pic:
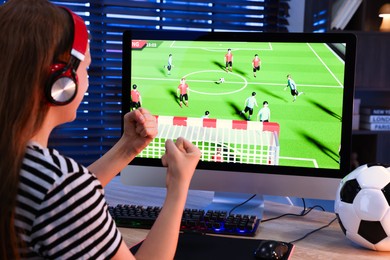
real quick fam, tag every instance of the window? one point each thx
(98, 123)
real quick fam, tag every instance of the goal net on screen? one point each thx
(232, 141)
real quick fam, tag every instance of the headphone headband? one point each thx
(80, 37)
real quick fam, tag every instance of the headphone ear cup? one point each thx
(62, 84)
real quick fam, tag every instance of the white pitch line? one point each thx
(236, 82)
(173, 43)
(323, 63)
(220, 48)
(334, 53)
(314, 161)
(245, 82)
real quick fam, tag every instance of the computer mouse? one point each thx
(271, 249)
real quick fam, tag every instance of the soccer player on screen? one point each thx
(293, 87)
(250, 103)
(264, 114)
(229, 60)
(183, 89)
(136, 99)
(169, 65)
(217, 157)
(206, 114)
(256, 63)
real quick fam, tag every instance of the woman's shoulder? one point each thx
(46, 167)
(49, 177)
(50, 160)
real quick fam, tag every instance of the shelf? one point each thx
(368, 132)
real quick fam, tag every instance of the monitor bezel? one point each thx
(348, 38)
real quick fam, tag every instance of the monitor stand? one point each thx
(226, 201)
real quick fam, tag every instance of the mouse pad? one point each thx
(197, 246)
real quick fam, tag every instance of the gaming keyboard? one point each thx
(193, 220)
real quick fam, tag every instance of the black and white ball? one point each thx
(362, 206)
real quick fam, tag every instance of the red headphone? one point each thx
(62, 85)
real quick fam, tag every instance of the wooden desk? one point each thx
(328, 243)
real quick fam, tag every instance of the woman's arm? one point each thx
(180, 159)
(139, 130)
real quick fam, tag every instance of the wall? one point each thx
(297, 15)
(373, 62)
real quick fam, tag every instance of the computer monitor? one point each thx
(304, 148)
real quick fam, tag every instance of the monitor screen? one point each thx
(257, 105)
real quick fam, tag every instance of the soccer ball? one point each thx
(362, 206)
(222, 80)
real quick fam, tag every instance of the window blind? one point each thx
(98, 123)
(318, 15)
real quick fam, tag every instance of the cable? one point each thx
(313, 231)
(303, 213)
(304, 205)
(239, 205)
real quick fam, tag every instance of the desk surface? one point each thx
(328, 243)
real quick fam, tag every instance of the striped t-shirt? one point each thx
(61, 209)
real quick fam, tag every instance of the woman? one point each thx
(52, 207)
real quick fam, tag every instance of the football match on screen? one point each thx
(243, 102)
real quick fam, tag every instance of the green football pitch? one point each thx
(309, 127)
